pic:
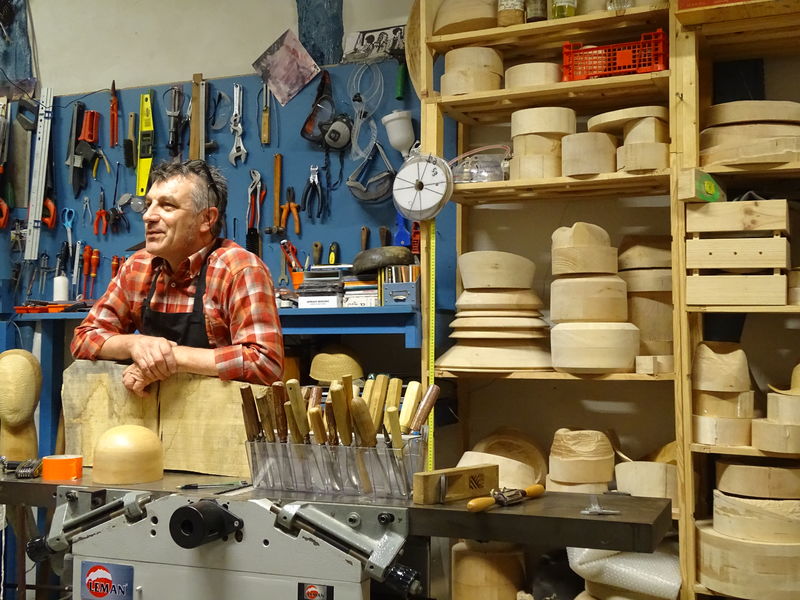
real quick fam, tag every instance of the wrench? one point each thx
(238, 150)
(284, 278)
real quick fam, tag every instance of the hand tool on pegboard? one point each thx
(277, 173)
(146, 142)
(266, 100)
(255, 196)
(113, 116)
(95, 262)
(44, 120)
(238, 151)
(77, 173)
(291, 207)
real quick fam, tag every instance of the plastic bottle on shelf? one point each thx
(564, 8)
(510, 12)
(535, 10)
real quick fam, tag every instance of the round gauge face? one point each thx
(422, 186)
(137, 204)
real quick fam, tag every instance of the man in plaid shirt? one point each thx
(201, 304)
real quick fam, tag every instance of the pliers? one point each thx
(256, 195)
(290, 206)
(312, 190)
(101, 214)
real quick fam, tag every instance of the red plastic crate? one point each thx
(645, 56)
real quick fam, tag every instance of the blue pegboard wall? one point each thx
(347, 215)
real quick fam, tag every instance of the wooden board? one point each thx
(695, 185)
(594, 298)
(747, 569)
(757, 519)
(498, 323)
(579, 260)
(783, 408)
(510, 355)
(769, 151)
(738, 253)
(753, 111)
(489, 333)
(655, 364)
(594, 347)
(761, 290)
(648, 479)
(733, 405)
(457, 483)
(642, 157)
(720, 431)
(741, 133)
(751, 215)
(777, 479)
(589, 153)
(776, 437)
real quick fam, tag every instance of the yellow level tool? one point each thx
(147, 136)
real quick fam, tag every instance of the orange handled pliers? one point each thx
(290, 206)
(101, 214)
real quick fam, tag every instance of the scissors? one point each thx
(67, 219)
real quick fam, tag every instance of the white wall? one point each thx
(84, 44)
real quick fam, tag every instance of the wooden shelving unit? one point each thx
(621, 185)
(552, 376)
(740, 30)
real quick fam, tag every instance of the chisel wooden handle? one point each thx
(486, 502)
(347, 386)
(298, 405)
(366, 392)
(363, 423)
(330, 423)
(278, 398)
(377, 400)
(276, 191)
(425, 406)
(314, 396)
(297, 437)
(364, 237)
(410, 403)
(393, 392)
(317, 424)
(252, 426)
(393, 425)
(342, 413)
(263, 403)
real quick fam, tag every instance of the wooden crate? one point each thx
(738, 253)
(752, 215)
(732, 290)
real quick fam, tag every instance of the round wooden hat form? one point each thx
(20, 385)
(493, 269)
(128, 454)
(793, 390)
(333, 362)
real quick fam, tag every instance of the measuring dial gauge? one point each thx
(422, 186)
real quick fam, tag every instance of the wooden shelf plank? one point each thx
(546, 38)
(790, 169)
(551, 375)
(563, 188)
(736, 11)
(788, 309)
(739, 451)
(590, 96)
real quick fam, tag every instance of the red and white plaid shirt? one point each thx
(241, 317)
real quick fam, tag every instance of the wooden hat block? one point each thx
(582, 248)
(594, 348)
(757, 519)
(732, 405)
(487, 571)
(513, 473)
(721, 431)
(599, 487)
(645, 252)
(600, 298)
(794, 387)
(128, 454)
(772, 436)
(758, 479)
(582, 456)
(20, 386)
(720, 367)
(498, 299)
(589, 153)
(490, 269)
(457, 16)
(497, 355)
(514, 444)
(783, 408)
(648, 479)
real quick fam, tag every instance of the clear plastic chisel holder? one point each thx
(377, 472)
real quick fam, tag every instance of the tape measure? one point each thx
(431, 225)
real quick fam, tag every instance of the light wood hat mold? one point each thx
(591, 298)
(720, 367)
(792, 390)
(128, 454)
(491, 269)
(645, 252)
(20, 386)
(583, 248)
(497, 355)
(516, 445)
(499, 299)
(334, 361)
(458, 16)
(594, 348)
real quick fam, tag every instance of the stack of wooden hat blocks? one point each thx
(645, 266)
(580, 462)
(537, 136)
(588, 301)
(498, 326)
(722, 395)
(472, 69)
(645, 134)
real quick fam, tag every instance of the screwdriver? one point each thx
(95, 263)
(87, 257)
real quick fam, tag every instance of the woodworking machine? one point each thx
(127, 544)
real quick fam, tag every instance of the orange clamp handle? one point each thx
(91, 124)
(49, 219)
(100, 215)
(4, 213)
(95, 262)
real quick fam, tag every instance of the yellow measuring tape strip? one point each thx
(429, 463)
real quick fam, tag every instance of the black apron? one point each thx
(185, 329)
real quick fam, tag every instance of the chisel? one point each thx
(393, 392)
(298, 406)
(265, 105)
(318, 427)
(377, 399)
(341, 412)
(282, 431)
(298, 439)
(396, 451)
(410, 402)
(366, 433)
(264, 406)
(425, 407)
(252, 426)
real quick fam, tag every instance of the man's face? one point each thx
(172, 229)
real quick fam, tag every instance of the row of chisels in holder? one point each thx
(355, 442)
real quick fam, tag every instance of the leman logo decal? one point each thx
(100, 583)
(312, 593)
